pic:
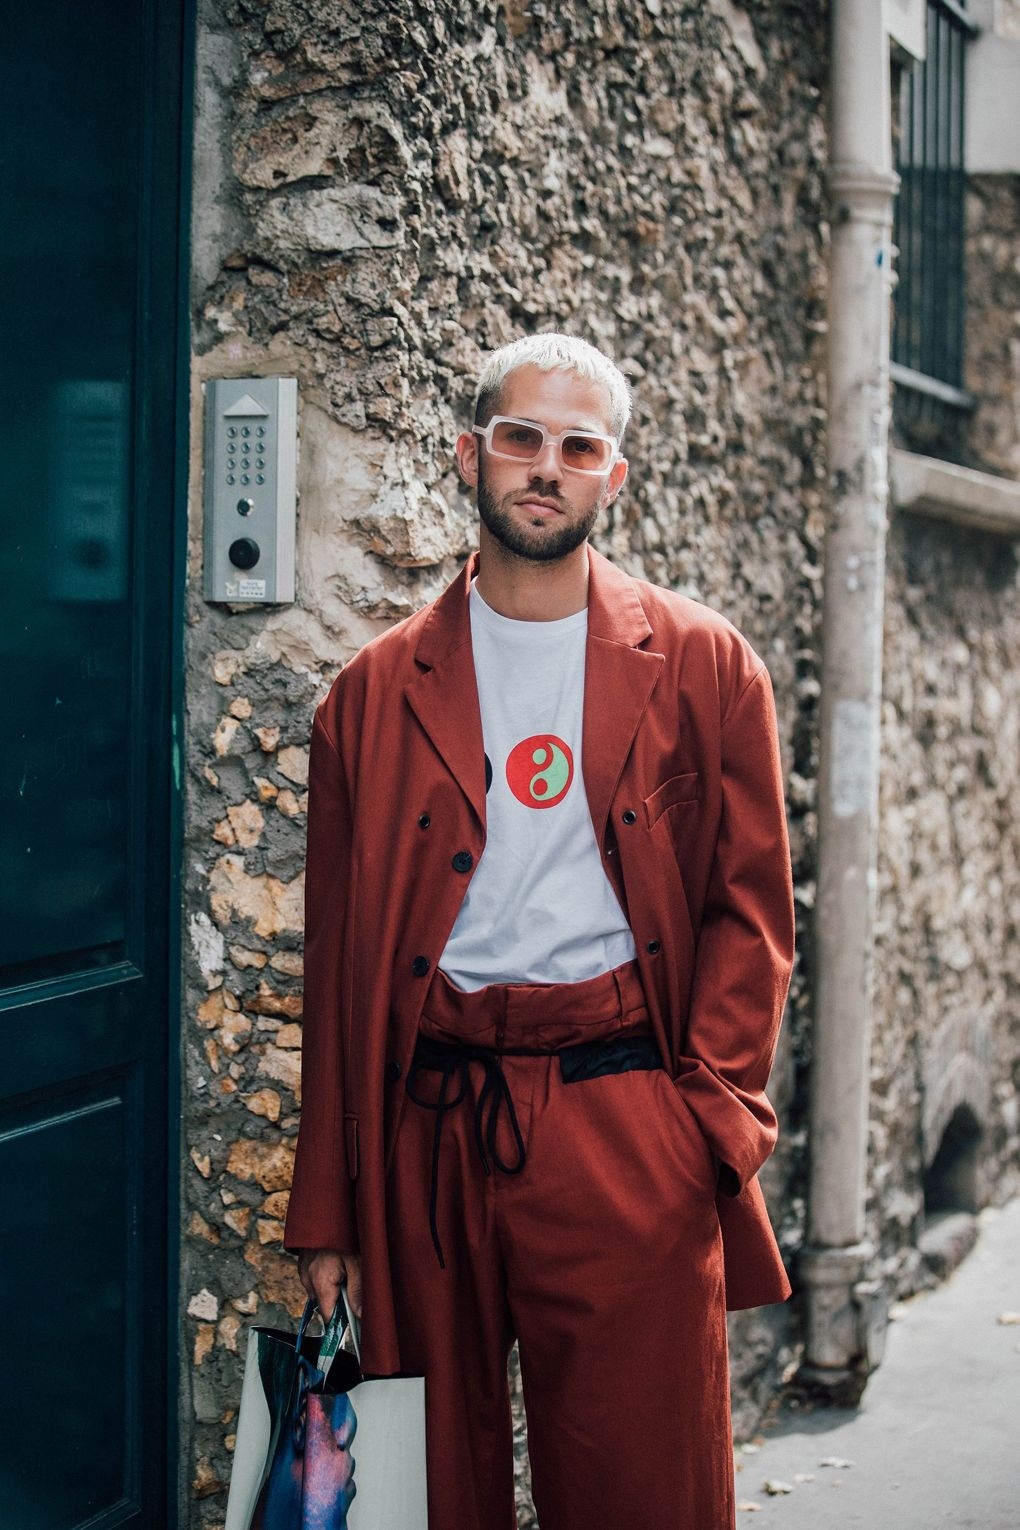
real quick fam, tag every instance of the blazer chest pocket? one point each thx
(678, 791)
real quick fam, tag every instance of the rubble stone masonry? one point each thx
(947, 961)
(383, 192)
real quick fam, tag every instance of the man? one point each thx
(549, 932)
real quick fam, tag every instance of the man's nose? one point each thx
(547, 464)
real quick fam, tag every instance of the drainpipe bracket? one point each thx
(860, 194)
(862, 181)
(846, 1317)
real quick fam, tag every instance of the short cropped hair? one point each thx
(551, 352)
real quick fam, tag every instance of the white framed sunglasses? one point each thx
(582, 451)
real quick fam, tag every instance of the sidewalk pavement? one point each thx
(936, 1439)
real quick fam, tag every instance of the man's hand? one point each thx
(323, 1270)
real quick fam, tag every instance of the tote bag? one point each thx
(325, 1453)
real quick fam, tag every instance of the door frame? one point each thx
(177, 44)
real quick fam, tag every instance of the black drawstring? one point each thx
(452, 1058)
(621, 1053)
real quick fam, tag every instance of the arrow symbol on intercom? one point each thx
(246, 406)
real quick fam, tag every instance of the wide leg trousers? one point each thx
(602, 1256)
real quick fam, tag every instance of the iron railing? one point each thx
(928, 322)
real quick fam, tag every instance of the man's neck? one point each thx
(528, 591)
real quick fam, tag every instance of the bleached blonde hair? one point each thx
(551, 352)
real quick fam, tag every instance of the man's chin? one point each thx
(541, 540)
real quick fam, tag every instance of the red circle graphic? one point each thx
(539, 770)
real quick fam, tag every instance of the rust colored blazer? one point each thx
(681, 767)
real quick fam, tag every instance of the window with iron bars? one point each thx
(931, 405)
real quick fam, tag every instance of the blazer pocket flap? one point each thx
(672, 793)
(351, 1139)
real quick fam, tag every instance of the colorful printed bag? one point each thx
(325, 1453)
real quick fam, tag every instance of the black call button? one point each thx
(244, 553)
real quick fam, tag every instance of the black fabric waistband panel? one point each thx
(613, 1054)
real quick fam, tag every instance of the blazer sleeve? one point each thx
(321, 1211)
(744, 951)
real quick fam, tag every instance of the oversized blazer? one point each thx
(681, 767)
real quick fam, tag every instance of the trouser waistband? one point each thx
(547, 1015)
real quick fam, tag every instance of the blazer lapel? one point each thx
(444, 697)
(618, 683)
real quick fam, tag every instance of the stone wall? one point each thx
(947, 1003)
(384, 191)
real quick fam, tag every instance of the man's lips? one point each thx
(541, 506)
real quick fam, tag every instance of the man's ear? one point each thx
(467, 458)
(617, 479)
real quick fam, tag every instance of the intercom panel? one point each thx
(250, 488)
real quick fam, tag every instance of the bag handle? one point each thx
(353, 1321)
(306, 1318)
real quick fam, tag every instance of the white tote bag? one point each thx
(344, 1454)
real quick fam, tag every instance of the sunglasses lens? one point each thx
(586, 453)
(512, 438)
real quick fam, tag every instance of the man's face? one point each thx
(541, 510)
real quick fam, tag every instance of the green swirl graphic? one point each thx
(552, 779)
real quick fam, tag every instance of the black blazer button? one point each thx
(393, 1070)
(463, 861)
(653, 947)
(629, 815)
(420, 966)
(424, 821)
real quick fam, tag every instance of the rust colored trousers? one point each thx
(596, 1245)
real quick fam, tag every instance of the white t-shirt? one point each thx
(540, 908)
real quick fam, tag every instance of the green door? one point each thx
(90, 191)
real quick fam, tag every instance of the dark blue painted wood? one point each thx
(90, 314)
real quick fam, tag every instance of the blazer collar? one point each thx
(447, 625)
(619, 678)
(444, 694)
(615, 612)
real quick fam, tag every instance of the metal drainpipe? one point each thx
(845, 1316)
